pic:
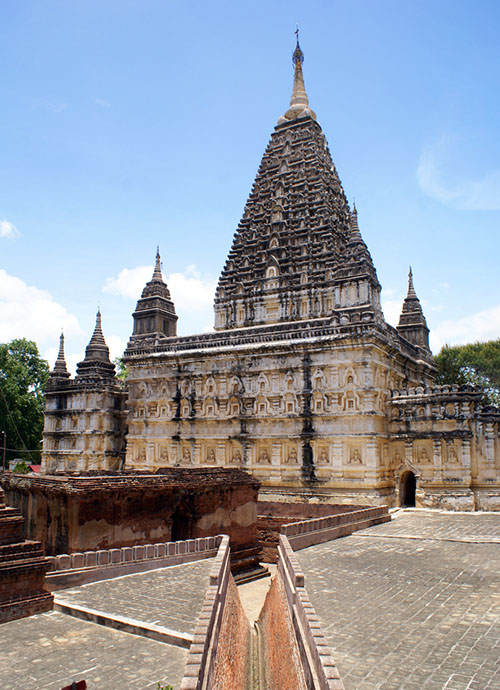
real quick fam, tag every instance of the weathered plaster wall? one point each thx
(74, 513)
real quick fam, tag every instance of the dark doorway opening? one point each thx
(407, 488)
(182, 523)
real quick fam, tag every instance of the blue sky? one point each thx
(130, 123)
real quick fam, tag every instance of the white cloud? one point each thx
(116, 346)
(103, 103)
(129, 282)
(28, 312)
(189, 290)
(8, 229)
(481, 326)
(482, 193)
(392, 310)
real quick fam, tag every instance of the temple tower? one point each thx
(295, 254)
(154, 316)
(84, 424)
(412, 324)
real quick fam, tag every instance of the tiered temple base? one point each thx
(22, 569)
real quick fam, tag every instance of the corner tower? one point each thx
(154, 315)
(294, 243)
(412, 324)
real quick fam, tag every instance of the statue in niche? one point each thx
(163, 453)
(323, 457)
(264, 458)
(292, 456)
(452, 454)
(186, 456)
(424, 456)
(142, 454)
(355, 458)
(211, 455)
(237, 457)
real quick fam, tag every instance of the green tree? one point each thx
(121, 371)
(23, 375)
(477, 364)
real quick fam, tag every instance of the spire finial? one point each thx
(299, 102)
(157, 271)
(60, 368)
(355, 233)
(411, 289)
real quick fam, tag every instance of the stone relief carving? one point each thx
(355, 457)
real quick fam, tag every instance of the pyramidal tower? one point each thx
(297, 253)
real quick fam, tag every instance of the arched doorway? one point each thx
(407, 488)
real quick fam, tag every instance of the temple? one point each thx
(302, 383)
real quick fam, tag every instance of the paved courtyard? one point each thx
(171, 597)
(51, 650)
(413, 604)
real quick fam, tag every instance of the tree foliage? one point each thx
(23, 375)
(477, 364)
(121, 371)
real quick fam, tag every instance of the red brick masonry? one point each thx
(306, 524)
(22, 570)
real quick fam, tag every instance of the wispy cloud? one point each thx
(9, 230)
(482, 193)
(57, 107)
(103, 103)
(26, 311)
(190, 291)
(481, 326)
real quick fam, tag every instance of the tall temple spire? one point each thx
(412, 324)
(60, 370)
(154, 316)
(299, 102)
(96, 362)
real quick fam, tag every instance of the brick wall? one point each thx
(230, 670)
(296, 654)
(221, 635)
(282, 662)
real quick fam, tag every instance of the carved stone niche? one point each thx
(263, 456)
(236, 456)
(452, 454)
(397, 454)
(322, 455)
(291, 455)
(210, 455)
(354, 456)
(423, 453)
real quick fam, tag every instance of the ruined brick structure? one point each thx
(22, 569)
(77, 512)
(302, 383)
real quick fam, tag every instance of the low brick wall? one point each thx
(319, 530)
(218, 656)
(300, 656)
(71, 570)
(307, 524)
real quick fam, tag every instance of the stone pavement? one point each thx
(51, 650)
(413, 604)
(171, 597)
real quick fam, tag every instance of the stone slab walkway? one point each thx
(413, 604)
(170, 597)
(51, 650)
